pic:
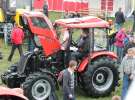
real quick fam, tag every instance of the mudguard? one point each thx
(23, 61)
(93, 56)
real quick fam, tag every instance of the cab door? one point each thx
(45, 33)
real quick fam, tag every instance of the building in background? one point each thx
(111, 6)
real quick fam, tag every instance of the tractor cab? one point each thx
(98, 32)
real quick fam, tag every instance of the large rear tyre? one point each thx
(38, 86)
(101, 77)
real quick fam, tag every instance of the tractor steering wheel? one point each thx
(73, 43)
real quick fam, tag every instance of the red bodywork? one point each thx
(17, 92)
(47, 36)
(50, 42)
(94, 55)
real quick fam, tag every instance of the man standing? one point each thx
(119, 19)
(45, 8)
(133, 29)
(68, 81)
(17, 36)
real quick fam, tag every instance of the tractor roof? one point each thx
(83, 22)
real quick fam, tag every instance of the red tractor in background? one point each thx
(37, 72)
(11, 94)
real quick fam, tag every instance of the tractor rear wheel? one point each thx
(38, 86)
(101, 77)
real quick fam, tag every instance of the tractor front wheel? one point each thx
(38, 86)
(101, 77)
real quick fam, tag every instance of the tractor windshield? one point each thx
(99, 37)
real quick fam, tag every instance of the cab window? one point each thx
(39, 22)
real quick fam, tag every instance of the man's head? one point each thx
(73, 64)
(116, 98)
(120, 9)
(131, 51)
(45, 1)
(123, 30)
(85, 31)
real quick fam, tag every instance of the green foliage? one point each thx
(54, 15)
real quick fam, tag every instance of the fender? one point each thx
(23, 61)
(95, 55)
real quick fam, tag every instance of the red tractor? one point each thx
(37, 71)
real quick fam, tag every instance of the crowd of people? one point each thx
(123, 43)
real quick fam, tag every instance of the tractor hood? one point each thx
(83, 22)
(41, 26)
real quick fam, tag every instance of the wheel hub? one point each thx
(100, 78)
(41, 89)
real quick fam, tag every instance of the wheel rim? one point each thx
(102, 78)
(41, 89)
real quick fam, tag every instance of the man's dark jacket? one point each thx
(84, 45)
(67, 83)
(45, 9)
(119, 17)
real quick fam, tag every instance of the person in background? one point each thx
(65, 40)
(83, 46)
(116, 97)
(68, 81)
(76, 14)
(17, 36)
(133, 28)
(119, 43)
(130, 44)
(45, 8)
(119, 19)
(66, 14)
(127, 70)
